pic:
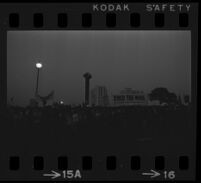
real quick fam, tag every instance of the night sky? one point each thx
(142, 60)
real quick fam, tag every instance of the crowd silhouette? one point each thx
(95, 117)
(96, 127)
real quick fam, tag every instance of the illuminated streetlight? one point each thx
(39, 65)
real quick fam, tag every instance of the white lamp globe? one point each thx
(39, 65)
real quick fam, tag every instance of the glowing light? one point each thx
(61, 102)
(39, 65)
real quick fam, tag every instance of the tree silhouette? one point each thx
(163, 96)
(172, 98)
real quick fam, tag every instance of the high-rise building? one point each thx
(99, 96)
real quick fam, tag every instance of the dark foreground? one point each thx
(144, 131)
(95, 129)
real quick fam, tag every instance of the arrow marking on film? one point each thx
(53, 175)
(153, 174)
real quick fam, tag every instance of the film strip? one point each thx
(102, 16)
(110, 126)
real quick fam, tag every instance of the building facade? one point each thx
(128, 97)
(99, 96)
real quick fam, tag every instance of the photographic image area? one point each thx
(116, 92)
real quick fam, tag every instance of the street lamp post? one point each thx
(38, 66)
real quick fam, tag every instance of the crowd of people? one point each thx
(96, 127)
(82, 115)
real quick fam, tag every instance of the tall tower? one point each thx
(87, 76)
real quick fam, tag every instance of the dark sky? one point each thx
(141, 60)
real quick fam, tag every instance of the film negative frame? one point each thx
(97, 16)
